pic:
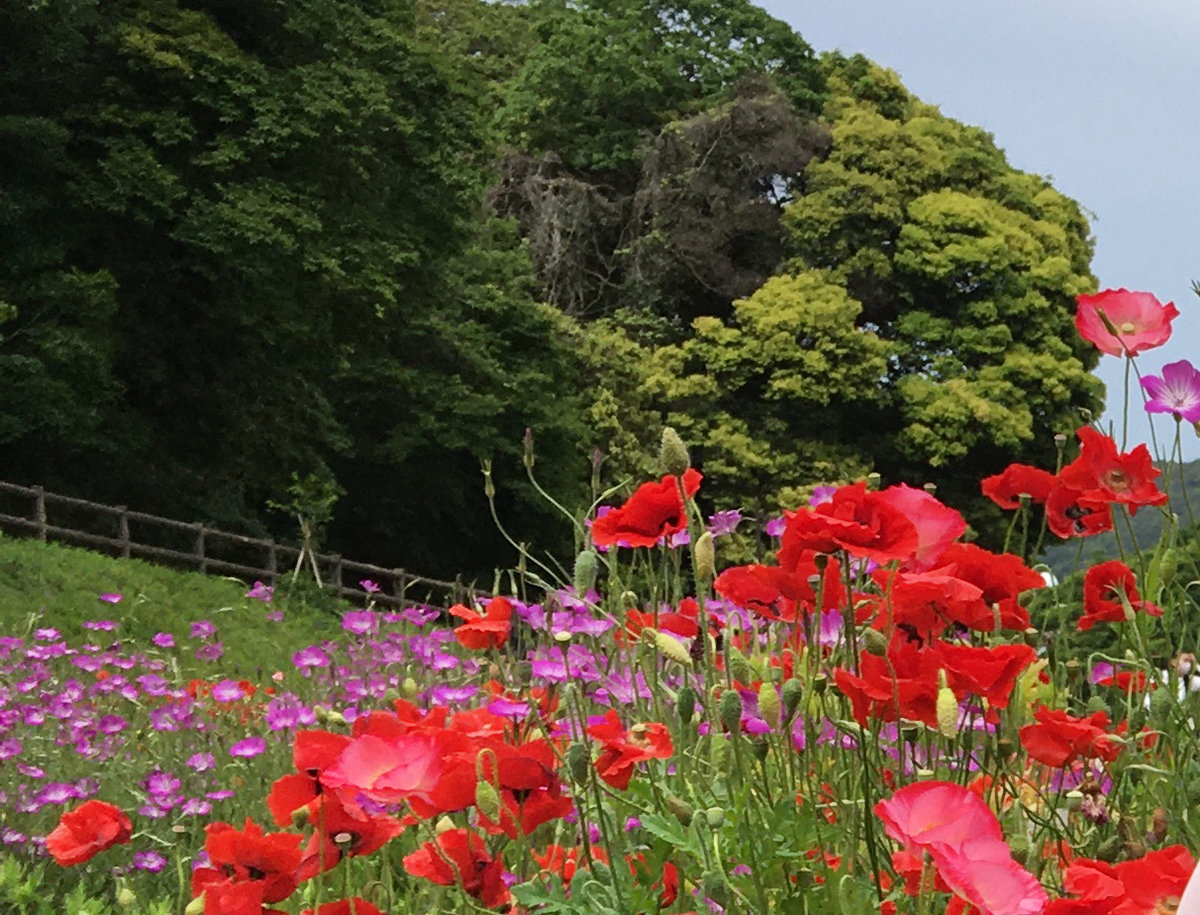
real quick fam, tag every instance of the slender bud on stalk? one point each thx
(489, 488)
(739, 664)
(686, 703)
(731, 711)
(196, 906)
(587, 565)
(672, 453)
(411, 687)
(443, 825)
(1168, 566)
(768, 704)
(126, 897)
(947, 708)
(874, 481)
(671, 647)
(487, 800)
(578, 758)
(793, 691)
(681, 809)
(705, 556)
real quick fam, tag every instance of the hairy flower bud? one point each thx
(670, 647)
(487, 800)
(195, 907)
(126, 897)
(681, 809)
(578, 758)
(731, 711)
(672, 453)
(686, 703)
(587, 566)
(768, 704)
(947, 708)
(704, 555)
(715, 817)
(874, 642)
(793, 691)
(739, 664)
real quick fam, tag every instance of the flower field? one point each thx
(875, 715)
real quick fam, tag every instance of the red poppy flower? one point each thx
(565, 862)
(1058, 738)
(1073, 513)
(529, 788)
(490, 629)
(222, 896)
(1140, 320)
(248, 855)
(859, 521)
(1104, 586)
(1002, 577)
(923, 602)
(1006, 487)
(389, 770)
(1101, 474)
(86, 831)
(990, 673)
(937, 524)
(1152, 883)
(654, 511)
(875, 693)
(785, 594)
(460, 857)
(622, 749)
(313, 752)
(343, 832)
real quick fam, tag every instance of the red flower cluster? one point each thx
(622, 749)
(1153, 883)
(1057, 738)
(460, 857)
(654, 511)
(86, 831)
(875, 693)
(1079, 498)
(490, 629)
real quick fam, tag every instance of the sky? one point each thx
(1100, 96)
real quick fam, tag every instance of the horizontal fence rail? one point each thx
(115, 529)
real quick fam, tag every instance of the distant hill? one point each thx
(1147, 526)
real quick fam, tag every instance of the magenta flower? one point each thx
(202, 762)
(228, 691)
(203, 629)
(210, 652)
(248, 748)
(100, 625)
(111, 598)
(264, 593)
(163, 640)
(1177, 391)
(150, 861)
(312, 656)
(369, 586)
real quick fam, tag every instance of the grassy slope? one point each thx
(46, 584)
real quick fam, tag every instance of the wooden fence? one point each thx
(117, 530)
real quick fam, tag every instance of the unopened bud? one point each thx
(670, 647)
(874, 642)
(947, 708)
(578, 758)
(704, 555)
(874, 480)
(443, 825)
(126, 897)
(587, 565)
(793, 691)
(715, 817)
(196, 906)
(411, 687)
(731, 711)
(672, 453)
(768, 704)
(1168, 566)
(300, 817)
(487, 800)
(739, 664)
(681, 809)
(686, 703)
(760, 748)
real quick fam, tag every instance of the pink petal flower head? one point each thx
(111, 598)
(1177, 391)
(248, 748)
(937, 524)
(984, 873)
(1140, 320)
(943, 813)
(388, 771)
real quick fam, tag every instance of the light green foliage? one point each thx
(967, 269)
(23, 892)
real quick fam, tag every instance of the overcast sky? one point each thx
(1101, 96)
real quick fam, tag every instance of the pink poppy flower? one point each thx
(928, 813)
(1140, 320)
(937, 524)
(388, 771)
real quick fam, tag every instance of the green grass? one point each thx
(47, 584)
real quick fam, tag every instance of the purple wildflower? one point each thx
(210, 652)
(111, 598)
(1177, 391)
(360, 622)
(163, 640)
(369, 586)
(228, 691)
(262, 592)
(100, 625)
(248, 748)
(203, 629)
(201, 762)
(150, 861)
(312, 656)
(726, 522)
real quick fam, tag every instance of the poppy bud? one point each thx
(768, 704)
(704, 555)
(947, 708)
(443, 825)
(587, 565)
(874, 642)
(759, 747)
(196, 906)
(672, 453)
(820, 681)
(126, 897)
(489, 488)
(411, 688)
(731, 711)
(672, 648)
(300, 817)
(793, 691)
(578, 758)
(874, 480)
(739, 665)
(1168, 566)
(715, 817)
(487, 800)
(376, 893)
(686, 703)
(716, 889)
(681, 808)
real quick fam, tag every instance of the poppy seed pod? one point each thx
(731, 711)
(739, 664)
(947, 708)
(768, 704)
(793, 691)
(672, 453)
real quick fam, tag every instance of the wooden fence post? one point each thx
(123, 530)
(335, 574)
(199, 548)
(272, 563)
(399, 586)
(39, 511)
